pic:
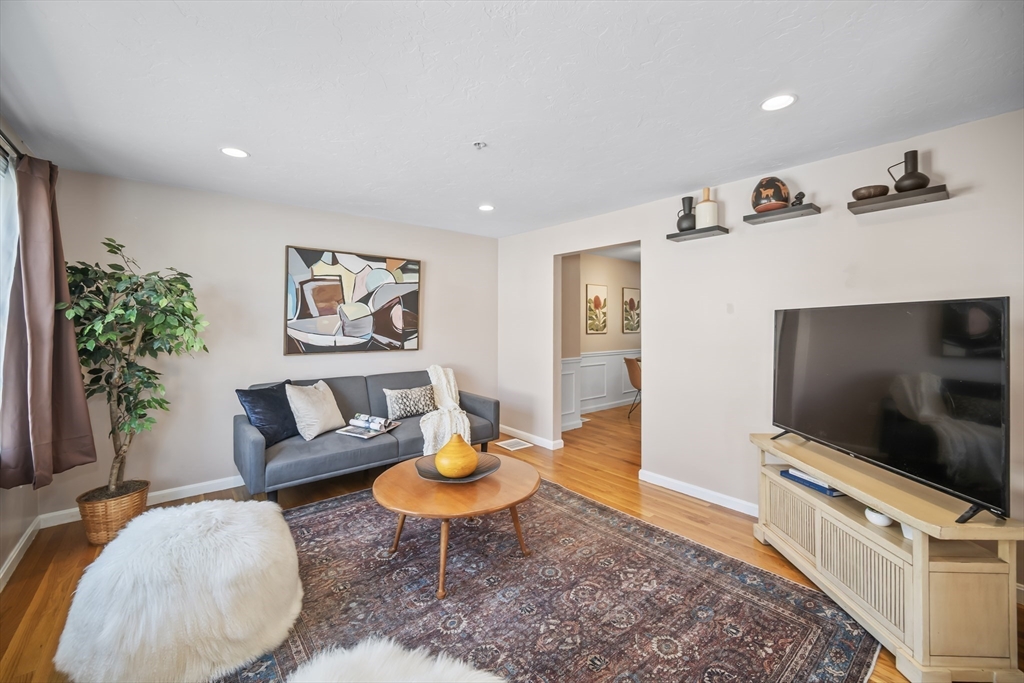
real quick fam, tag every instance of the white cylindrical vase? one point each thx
(706, 211)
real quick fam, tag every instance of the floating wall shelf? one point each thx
(688, 235)
(895, 201)
(782, 214)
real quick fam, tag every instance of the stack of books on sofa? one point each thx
(810, 482)
(365, 426)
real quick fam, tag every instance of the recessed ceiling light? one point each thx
(778, 102)
(234, 152)
(486, 207)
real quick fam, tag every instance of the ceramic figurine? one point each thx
(912, 179)
(770, 194)
(686, 220)
(798, 200)
(707, 211)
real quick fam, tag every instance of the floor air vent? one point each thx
(513, 444)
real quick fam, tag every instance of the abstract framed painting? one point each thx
(597, 309)
(630, 310)
(341, 302)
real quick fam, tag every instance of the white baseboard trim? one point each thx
(698, 492)
(154, 498)
(11, 563)
(606, 406)
(532, 438)
(567, 426)
(59, 517)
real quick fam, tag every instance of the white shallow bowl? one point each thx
(877, 518)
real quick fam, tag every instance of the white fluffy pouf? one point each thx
(185, 593)
(381, 659)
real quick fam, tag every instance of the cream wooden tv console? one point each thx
(943, 603)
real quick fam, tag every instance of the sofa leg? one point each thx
(272, 496)
(483, 447)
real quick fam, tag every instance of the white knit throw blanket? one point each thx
(448, 420)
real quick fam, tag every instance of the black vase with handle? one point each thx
(912, 179)
(686, 218)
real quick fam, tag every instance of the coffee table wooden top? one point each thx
(402, 490)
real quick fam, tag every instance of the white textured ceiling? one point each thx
(586, 107)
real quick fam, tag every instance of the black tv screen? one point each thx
(918, 388)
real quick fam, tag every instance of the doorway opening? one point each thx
(600, 325)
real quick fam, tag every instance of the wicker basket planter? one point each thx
(104, 518)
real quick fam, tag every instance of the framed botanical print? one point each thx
(630, 310)
(597, 309)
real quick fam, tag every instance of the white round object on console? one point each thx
(877, 518)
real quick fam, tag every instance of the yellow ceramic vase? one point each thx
(456, 459)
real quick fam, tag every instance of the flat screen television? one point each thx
(919, 388)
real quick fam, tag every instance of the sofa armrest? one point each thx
(250, 449)
(481, 406)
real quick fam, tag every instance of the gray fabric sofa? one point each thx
(297, 461)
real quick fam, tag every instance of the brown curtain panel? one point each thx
(44, 420)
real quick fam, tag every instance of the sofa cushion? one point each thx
(295, 460)
(403, 403)
(375, 385)
(410, 437)
(268, 411)
(349, 392)
(315, 409)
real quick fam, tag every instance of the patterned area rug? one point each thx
(604, 597)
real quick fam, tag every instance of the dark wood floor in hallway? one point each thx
(600, 460)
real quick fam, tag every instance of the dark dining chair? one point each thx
(633, 368)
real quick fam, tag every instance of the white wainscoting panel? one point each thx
(627, 388)
(595, 380)
(571, 390)
(605, 382)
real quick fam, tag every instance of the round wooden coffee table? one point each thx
(400, 489)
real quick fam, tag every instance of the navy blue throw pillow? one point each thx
(268, 411)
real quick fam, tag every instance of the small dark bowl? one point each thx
(870, 191)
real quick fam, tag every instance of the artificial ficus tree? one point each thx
(120, 317)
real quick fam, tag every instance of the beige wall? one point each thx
(708, 351)
(572, 306)
(615, 274)
(234, 248)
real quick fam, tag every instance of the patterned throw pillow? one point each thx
(406, 402)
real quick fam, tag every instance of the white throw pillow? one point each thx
(314, 408)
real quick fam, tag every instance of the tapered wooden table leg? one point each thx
(519, 530)
(444, 558)
(403, 491)
(398, 534)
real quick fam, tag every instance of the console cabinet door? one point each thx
(873, 577)
(791, 516)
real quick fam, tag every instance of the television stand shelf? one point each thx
(944, 602)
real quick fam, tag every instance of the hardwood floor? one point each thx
(600, 461)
